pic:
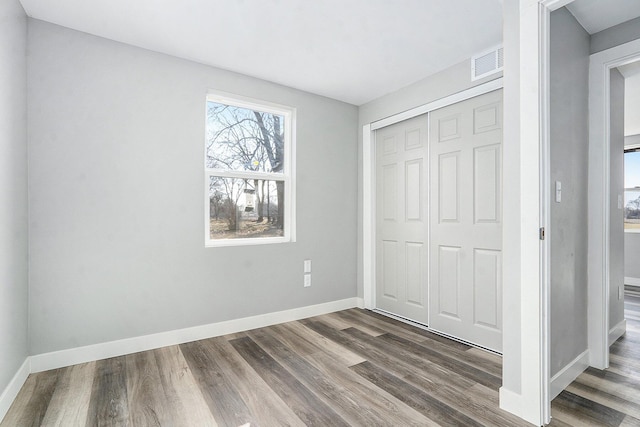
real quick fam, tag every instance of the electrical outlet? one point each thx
(307, 280)
(307, 266)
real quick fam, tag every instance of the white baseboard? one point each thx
(516, 404)
(11, 391)
(73, 356)
(568, 374)
(617, 331)
(510, 401)
(633, 281)
(360, 303)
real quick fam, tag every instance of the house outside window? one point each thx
(249, 172)
(632, 189)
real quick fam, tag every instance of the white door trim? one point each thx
(368, 177)
(600, 66)
(526, 344)
(368, 217)
(545, 207)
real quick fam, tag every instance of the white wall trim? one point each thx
(11, 391)
(555, 4)
(617, 331)
(599, 182)
(632, 281)
(59, 359)
(368, 217)
(545, 208)
(510, 401)
(568, 374)
(531, 90)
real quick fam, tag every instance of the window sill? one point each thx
(246, 242)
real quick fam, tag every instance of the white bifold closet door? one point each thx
(465, 283)
(401, 219)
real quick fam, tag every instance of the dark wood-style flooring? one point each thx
(353, 367)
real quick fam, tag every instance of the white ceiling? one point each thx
(351, 50)
(598, 15)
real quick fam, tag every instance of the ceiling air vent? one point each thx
(487, 63)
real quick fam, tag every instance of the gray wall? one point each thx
(568, 222)
(13, 190)
(447, 82)
(614, 36)
(631, 251)
(616, 217)
(116, 198)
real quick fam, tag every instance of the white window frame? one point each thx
(287, 175)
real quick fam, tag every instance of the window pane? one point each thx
(632, 192)
(632, 169)
(632, 209)
(245, 208)
(241, 139)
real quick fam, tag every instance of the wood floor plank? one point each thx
(400, 364)
(559, 423)
(284, 333)
(320, 343)
(474, 372)
(620, 390)
(306, 405)
(607, 399)
(490, 400)
(473, 405)
(39, 391)
(336, 394)
(261, 400)
(395, 411)
(69, 404)
(145, 393)
(18, 407)
(410, 351)
(416, 398)
(612, 377)
(109, 405)
(630, 421)
(334, 321)
(222, 397)
(625, 366)
(386, 324)
(414, 330)
(44, 388)
(486, 355)
(350, 318)
(587, 411)
(489, 365)
(183, 396)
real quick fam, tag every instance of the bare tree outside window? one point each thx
(245, 162)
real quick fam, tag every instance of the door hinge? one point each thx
(541, 233)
